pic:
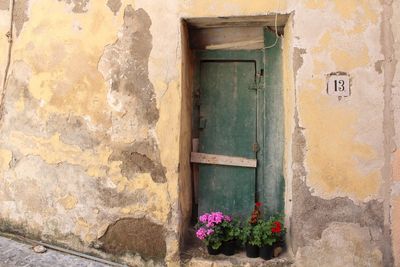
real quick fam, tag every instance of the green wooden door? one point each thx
(227, 126)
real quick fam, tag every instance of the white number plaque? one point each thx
(339, 85)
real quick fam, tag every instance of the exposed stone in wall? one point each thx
(341, 244)
(79, 6)
(114, 5)
(135, 235)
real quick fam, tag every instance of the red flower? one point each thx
(258, 204)
(277, 228)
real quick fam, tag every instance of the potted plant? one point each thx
(218, 231)
(271, 234)
(266, 238)
(231, 231)
(250, 236)
(278, 233)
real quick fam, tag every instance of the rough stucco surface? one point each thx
(350, 241)
(90, 132)
(81, 140)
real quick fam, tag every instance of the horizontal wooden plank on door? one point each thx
(222, 160)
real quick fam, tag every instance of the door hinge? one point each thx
(256, 147)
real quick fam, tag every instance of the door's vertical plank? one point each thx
(270, 178)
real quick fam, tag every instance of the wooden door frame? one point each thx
(270, 115)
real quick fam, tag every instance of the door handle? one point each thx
(202, 123)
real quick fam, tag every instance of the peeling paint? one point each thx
(114, 5)
(20, 14)
(90, 137)
(79, 6)
(141, 157)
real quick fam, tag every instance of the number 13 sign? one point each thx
(338, 84)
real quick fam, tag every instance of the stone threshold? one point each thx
(238, 259)
(195, 254)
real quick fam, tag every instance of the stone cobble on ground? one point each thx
(13, 253)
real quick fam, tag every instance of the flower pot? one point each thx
(212, 251)
(266, 252)
(228, 247)
(252, 251)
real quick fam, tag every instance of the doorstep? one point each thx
(238, 259)
(195, 255)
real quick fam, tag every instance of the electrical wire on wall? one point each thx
(276, 27)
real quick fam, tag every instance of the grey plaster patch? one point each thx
(73, 131)
(114, 5)
(297, 60)
(110, 197)
(26, 120)
(20, 14)
(124, 66)
(341, 244)
(311, 214)
(79, 6)
(140, 157)
(4, 4)
(378, 66)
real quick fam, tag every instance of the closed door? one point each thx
(228, 131)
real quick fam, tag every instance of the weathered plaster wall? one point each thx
(90, 133)
(92, 145)
(338, 145)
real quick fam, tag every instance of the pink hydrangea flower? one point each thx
(201, 233)
(210, 232)
(214, 218)
(204, 218)
(218, 217)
